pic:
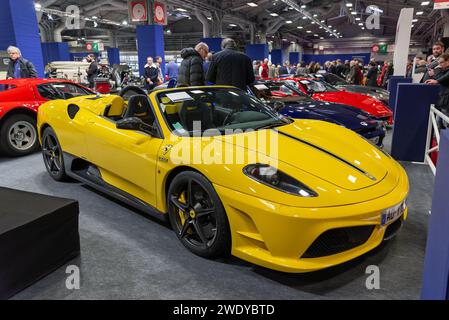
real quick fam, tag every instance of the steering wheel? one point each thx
(130, 91)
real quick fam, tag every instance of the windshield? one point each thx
(62, 90)
(334, 80)
(285, 91)
(317, 86)
(191, 111)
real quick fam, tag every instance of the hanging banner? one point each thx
(441, 4)
(160, 13)
(137, 11)
(402, 45)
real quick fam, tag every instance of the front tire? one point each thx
(52, 154)
(18, 135)
(197, 215)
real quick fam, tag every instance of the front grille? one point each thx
(393, 229)
(338, 240)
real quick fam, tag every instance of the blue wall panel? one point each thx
(322, 58)
(19, 27)
(436, 263)
(213, 43)
(277, 56)
(113, 56)
(294, 58)
(412, 121)
(55, 51)
(257, 51)
(150, 43)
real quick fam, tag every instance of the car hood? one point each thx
(340, 114)
(366, 103)
(377, 93)
(326, 151)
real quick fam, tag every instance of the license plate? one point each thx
(392, 214)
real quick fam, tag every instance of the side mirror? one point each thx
(310, 92)
(278, 106)
(136, 124)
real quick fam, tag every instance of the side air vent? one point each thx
(72, 110)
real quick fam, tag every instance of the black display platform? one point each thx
(38, 234)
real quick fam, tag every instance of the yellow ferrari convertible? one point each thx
(232, 175)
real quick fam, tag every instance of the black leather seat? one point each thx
(139, 106)
(193, 111)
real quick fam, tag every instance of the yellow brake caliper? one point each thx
(181, 214)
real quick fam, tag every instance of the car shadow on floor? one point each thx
(321, 282)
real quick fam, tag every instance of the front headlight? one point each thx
(277, 179)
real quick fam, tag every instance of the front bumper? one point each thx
(278, 237)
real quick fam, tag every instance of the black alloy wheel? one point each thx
(197, 215)
(52, 153)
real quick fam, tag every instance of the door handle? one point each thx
(91, 120)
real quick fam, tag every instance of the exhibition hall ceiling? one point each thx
(282, 19)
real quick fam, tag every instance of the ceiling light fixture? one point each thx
(308, 15)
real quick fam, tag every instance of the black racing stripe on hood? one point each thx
(368, 175)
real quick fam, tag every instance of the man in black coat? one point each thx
(191, 71)
(443, 80)
(151, 74)
(19, 67)
(92, 71)
(230, 67)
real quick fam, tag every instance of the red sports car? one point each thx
(324, 92)
(19, 101)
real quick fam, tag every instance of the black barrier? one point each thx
(412, 121)
(38, 234)
(393, 88)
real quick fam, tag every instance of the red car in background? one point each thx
(325, 92)
(19, 102)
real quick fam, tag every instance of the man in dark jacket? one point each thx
(230, 67)
(151, 74)
(372, 75)
(191, 71)
(19, 67)
(443, 80)
(92, 71)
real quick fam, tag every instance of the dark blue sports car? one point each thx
(295, 104)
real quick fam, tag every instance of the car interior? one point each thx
(212, 110)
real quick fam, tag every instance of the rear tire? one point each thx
(202, 224)
(52, 154)
(18, 135)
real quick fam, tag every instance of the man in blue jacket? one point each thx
(19, 67)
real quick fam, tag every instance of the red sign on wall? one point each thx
(441, 4)
(160, 13)
(138, 11)
(89, 46)
(375, 48)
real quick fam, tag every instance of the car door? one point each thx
(127, 159)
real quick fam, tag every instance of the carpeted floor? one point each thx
(126, 255)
